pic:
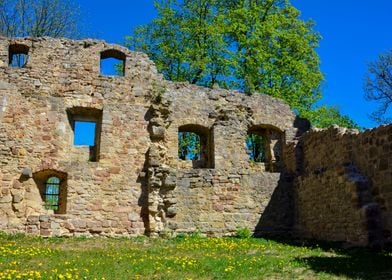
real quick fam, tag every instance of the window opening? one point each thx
(18, 55)
(112, 63)
(86, 124)
(255, 145)
(188, 146)
(52, 194)
(85, 132)
(264, 145)
(195, 143)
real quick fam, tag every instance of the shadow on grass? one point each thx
(351, 262)
(356, 266)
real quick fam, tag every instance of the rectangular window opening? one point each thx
(18, 55)
(264, 145)
(195, 144)
(112, 67)
(86, 124)
(255, 145)
(188, 146)
(52, 193)
(85, 133)
(18, 60)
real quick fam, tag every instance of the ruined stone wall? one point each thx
(343, 191)
(137, 185)
(232, 193)
(332, 184)
(104, 197)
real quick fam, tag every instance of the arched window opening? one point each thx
(52, 193)
(52, 185)
(264, 145)
(195, 143)
(255, 145)
(18, 55)
(112, 63)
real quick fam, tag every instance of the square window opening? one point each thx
(18, 55)
(264, 145)
(112, 63)
(195, 143)
(85, 133)
(112, 67)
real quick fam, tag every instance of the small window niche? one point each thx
(256, 146)
(86, 124)
(52, 193)
(18, 55)
(264, 146)
(195, 145)
(112, 63)
(52, 185)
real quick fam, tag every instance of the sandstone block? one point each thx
(43, 218)
(134, 217)
(157, 132)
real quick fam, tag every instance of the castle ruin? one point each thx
(333, 184)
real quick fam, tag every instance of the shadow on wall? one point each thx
(278, 218)
(301, 125)
(279, 215)
(143, 199)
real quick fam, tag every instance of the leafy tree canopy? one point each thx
(250, 45)
(324, 116)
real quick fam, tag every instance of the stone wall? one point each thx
(331, 184)
(36, 134)
(343, 191)
(136, 184)
(235, 192)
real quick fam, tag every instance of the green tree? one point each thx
(38, 18)
(325, 116)
(186, 41)
(188, 146)
(255, 146)
(378, 87)
(274, 51)
(251, 45)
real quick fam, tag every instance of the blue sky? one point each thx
(84, 133)
(354, 33)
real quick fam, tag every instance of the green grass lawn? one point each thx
(23, 257)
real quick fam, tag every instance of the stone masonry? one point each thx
(344, 187)
(326, 184)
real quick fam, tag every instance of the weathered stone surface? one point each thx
(343, 191)
(329, 184)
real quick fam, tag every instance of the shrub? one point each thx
(243, 233)
(196, 234)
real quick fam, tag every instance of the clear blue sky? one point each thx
(84, 133)
(354, 32)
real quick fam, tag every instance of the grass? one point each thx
(187, 257)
